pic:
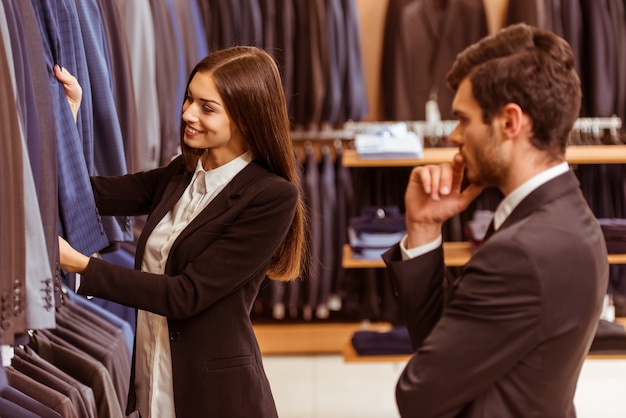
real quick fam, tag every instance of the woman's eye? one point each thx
(207, 109)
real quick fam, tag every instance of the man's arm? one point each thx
(489, 326)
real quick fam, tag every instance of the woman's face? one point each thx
(207, 123)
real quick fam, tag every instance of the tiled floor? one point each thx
(323, 386)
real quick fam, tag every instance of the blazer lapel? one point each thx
(173, 192)
(551, 190)
(226, 198)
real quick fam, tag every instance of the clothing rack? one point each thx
(442, 129)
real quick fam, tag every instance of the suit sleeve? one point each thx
(133, 194)
(490, 323)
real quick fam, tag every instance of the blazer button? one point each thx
(175, 335)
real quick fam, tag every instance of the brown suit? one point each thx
(423, 44)
(511, 337)
(211, 281)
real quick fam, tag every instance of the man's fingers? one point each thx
(458, 167)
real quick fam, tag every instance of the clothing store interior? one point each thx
(355, 72)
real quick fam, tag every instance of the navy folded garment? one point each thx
(614, 230)
(386, 219)
(375, 230)
(610, 338)
(395, 341)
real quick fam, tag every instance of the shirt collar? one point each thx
(510, 202)
(223, 174)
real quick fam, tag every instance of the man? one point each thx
(509, 336)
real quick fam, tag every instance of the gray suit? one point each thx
(509, 336)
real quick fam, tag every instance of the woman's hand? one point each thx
(70, 259)
(73, 90)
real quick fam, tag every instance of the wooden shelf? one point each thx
(455, 254)
(575, 154)
(309, 338)
(351, 356)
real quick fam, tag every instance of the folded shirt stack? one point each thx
(374, 231)
(388, 141)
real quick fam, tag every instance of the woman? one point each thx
(221, 217)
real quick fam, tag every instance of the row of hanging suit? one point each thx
(78, 369)
(422, 37)
(326, 291)
(132, 59)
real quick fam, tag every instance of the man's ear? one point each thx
(513, 120)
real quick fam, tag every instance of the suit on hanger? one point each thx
(532, 12)
(107, 355)
(86, 393)
(54, 382)
(11, 409)
(42, 393)
(139, 36)
(522, 314)
(336, 75)
(79, 219)
(355, 105)
(428, 39)
(38, 306)
(328, 221)
(11, 397)
(166, 80)
(35, 408)
(311, 191)
(108, 144)
(118, 58)
(12, 217)
(83, 368)
(45, 158)
(284, 49)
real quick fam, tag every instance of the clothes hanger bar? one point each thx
(613, 122)
(441, 128)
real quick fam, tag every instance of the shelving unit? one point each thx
(322, 338)
(458, 253)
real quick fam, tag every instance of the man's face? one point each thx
(479, 143)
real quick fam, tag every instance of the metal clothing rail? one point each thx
(440, 129)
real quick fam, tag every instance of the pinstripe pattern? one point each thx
(79, 219)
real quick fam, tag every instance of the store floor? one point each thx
(323, 386)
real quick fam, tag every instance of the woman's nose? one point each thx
(189, 114)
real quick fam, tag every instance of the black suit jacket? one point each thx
(509, 336)
(212, 277)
